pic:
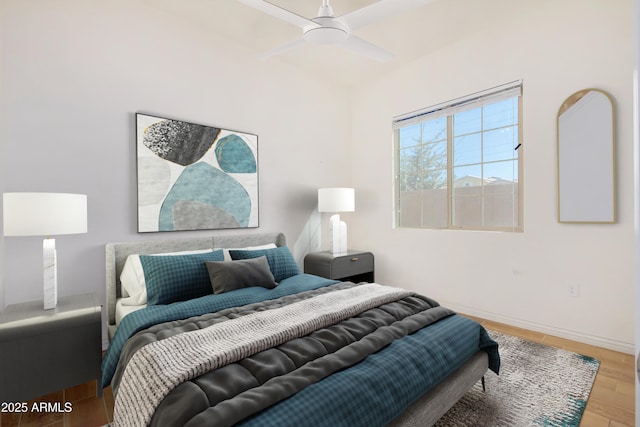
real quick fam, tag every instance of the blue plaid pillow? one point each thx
(174, 278)
(280, 260)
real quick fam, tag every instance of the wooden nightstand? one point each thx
(42, 351)
(353, 266)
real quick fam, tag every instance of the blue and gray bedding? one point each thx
(377, 356)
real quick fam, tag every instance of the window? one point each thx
(459, 164)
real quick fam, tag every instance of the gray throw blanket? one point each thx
(160, 366)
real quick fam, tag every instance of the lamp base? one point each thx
(338, 235)
(50, 273)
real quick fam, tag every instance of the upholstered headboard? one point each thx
(117, 253)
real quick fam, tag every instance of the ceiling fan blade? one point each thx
(363, 47)
(378, 11)
(278, 12)
(281, 49)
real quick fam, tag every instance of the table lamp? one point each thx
(45, 214)
(337, 200)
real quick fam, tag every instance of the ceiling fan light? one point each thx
(325, 35)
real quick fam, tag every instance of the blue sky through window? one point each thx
(484, 140)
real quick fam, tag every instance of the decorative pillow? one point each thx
(227, 276)
(280, 260)
(227, 257)
(134, 288)
(177, 277)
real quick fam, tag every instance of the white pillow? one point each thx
(133, 285)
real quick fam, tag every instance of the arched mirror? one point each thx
(586, 159)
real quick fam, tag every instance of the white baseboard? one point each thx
(611, 344)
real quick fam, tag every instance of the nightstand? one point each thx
(353, 266)
(42, 351)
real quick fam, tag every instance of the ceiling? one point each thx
(411, 35)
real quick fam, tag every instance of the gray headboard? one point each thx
(117, 253)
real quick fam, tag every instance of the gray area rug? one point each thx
(538, 385)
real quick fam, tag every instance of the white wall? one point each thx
(636, 159)
(557, 48)
(75, 72)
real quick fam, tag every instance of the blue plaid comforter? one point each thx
(409, 365)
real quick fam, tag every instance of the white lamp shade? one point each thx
(44, 214)
(336, 200)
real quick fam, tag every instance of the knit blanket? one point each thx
(162, 365)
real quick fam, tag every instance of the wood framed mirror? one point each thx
(586, 158)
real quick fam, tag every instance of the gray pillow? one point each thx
(227, 276)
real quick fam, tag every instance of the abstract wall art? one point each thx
(195, 177)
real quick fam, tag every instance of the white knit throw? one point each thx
(155, 369)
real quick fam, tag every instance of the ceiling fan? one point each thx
(326, 28)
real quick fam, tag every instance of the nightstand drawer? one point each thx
(351, 265)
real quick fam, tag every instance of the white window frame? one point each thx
(448, 109)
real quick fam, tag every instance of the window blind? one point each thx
(457, 105)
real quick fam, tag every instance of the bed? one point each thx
(295, 350)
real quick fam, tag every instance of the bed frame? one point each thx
(424, 412)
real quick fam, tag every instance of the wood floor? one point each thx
(611, 402)
(87, 410)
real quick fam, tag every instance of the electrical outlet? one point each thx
(574, 290)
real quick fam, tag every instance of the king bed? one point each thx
(226, 330)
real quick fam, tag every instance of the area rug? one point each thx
(538, 385)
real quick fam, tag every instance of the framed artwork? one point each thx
(194, 177)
